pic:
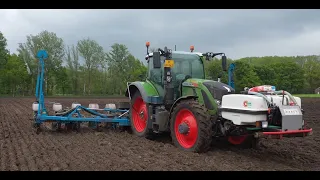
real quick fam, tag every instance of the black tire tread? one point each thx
(148, 133)
(205, 124)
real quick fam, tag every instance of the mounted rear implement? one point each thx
(72, 118)
(176, 98)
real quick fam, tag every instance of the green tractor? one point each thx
(177, 98)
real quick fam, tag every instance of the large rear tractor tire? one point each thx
(191, 126)
(139, 117)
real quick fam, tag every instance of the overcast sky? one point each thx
(238, 33)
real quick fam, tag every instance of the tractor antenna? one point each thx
(175, 47)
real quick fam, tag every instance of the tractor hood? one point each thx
(217, 89)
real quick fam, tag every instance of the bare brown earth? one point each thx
(22, 149)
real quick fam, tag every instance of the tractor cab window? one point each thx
(155, 74)
(197, 69)
(187, 65)
(184, 65)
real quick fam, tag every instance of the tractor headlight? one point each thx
(264, 124)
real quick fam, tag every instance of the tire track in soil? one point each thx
(78, 147)
(90, 150)
(18, 148)
(96, 159)
(122, 151)
(67, 156)
(121, 142)
(114, 149)
(10, 148)
(64, 157)
(50, 157)
(3, 154)
(39, 149)
(26, 140)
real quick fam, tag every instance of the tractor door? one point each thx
(179, 72)
(155, 76)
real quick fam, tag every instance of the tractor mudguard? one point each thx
(179, 99)
(146, 90)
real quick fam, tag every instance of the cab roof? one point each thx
(180, 52)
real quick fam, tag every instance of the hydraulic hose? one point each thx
(287, 93)
(260, 95)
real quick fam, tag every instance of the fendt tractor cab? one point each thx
(177, 98)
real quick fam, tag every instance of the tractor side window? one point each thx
(154, 75)
(197, 69)
(185, 67)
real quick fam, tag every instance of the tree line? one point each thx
(295, 74)
(86, 69)
(100, 72)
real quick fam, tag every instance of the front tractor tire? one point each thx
(191, 126)
(139, 117)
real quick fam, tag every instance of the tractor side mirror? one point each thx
(156, 60)
(207, 58)
(224, 63)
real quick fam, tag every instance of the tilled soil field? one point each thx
(22, 149)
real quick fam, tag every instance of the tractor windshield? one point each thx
(187, 65)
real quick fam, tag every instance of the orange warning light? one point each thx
(191, 48)
(147, 44)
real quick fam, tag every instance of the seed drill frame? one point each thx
(73, 116)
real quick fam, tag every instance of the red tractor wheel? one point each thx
(236, 140)
(139, 116)
(245, 141)
(191, 126)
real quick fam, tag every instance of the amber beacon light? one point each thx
(191, 48)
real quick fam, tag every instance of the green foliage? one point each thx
(300, 74)
(213, 69)
(3, 51)
(289, 76)
(245, 76)
(14, 76)
(86, 69)
(94, 57)
(312, 74)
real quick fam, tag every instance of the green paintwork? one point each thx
(186, 90)
(149, 88)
